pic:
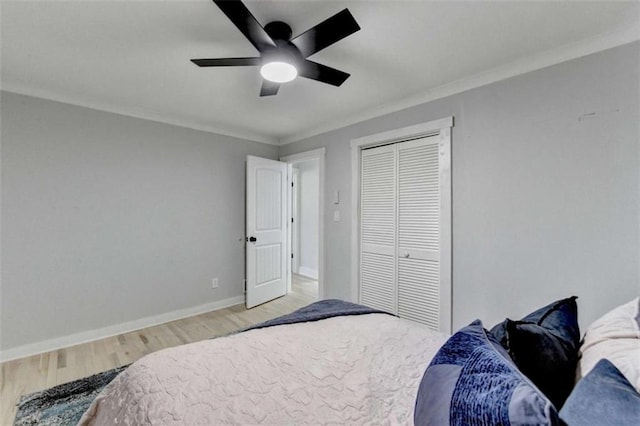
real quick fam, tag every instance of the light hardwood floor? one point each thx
(38, 372)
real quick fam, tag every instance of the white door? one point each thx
(418, 237)
(266, 218)
(378, 228)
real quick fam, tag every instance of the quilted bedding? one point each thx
(344, 370)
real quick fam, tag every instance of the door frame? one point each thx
(441, 128)
(295, 215)
(316, 154)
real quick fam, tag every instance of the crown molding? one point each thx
(624, 35)
(544, 59)
(140, 113)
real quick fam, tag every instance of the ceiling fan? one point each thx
(283, 58)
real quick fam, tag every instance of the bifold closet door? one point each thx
(400, 230)
(418, 236)
(378, 228)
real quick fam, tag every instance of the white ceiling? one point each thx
(132, 57)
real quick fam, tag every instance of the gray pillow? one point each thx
(603, 397)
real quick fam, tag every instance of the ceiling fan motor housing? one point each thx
(278, 30)
(284, 51)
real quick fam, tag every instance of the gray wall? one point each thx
(108, 219)
(545, 195)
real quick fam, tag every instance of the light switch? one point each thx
(336, 197)
(336, 215)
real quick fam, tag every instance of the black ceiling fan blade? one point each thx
(238, 13)
(322, 73)
(334, 29)
(227, 62)
(269, 88)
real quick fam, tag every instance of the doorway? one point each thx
(305, 223)
(306, 201)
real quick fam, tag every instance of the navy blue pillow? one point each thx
(472, 381)
(544, 345)
(561, 315)
(603, 397)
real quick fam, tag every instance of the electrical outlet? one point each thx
(215, 283)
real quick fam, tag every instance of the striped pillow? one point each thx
(472, 381)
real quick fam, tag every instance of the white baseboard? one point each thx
(308, 272)
(113, 330)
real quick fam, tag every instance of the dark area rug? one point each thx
(63, 404)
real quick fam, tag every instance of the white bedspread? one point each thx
(360, 369)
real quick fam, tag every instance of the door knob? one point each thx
(253, 239)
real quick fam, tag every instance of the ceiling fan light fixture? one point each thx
(278, 72)
(281, 57)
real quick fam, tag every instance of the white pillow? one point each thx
(616, 337)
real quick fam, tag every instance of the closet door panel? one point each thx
(418, 231)
(418, 291)
(377, 288)
(418, 195)
(378, 228)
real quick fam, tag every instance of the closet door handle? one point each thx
(252, 239)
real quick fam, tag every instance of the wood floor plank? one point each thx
(38, 372)
(51, 373)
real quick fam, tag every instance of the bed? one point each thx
(335, 362)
